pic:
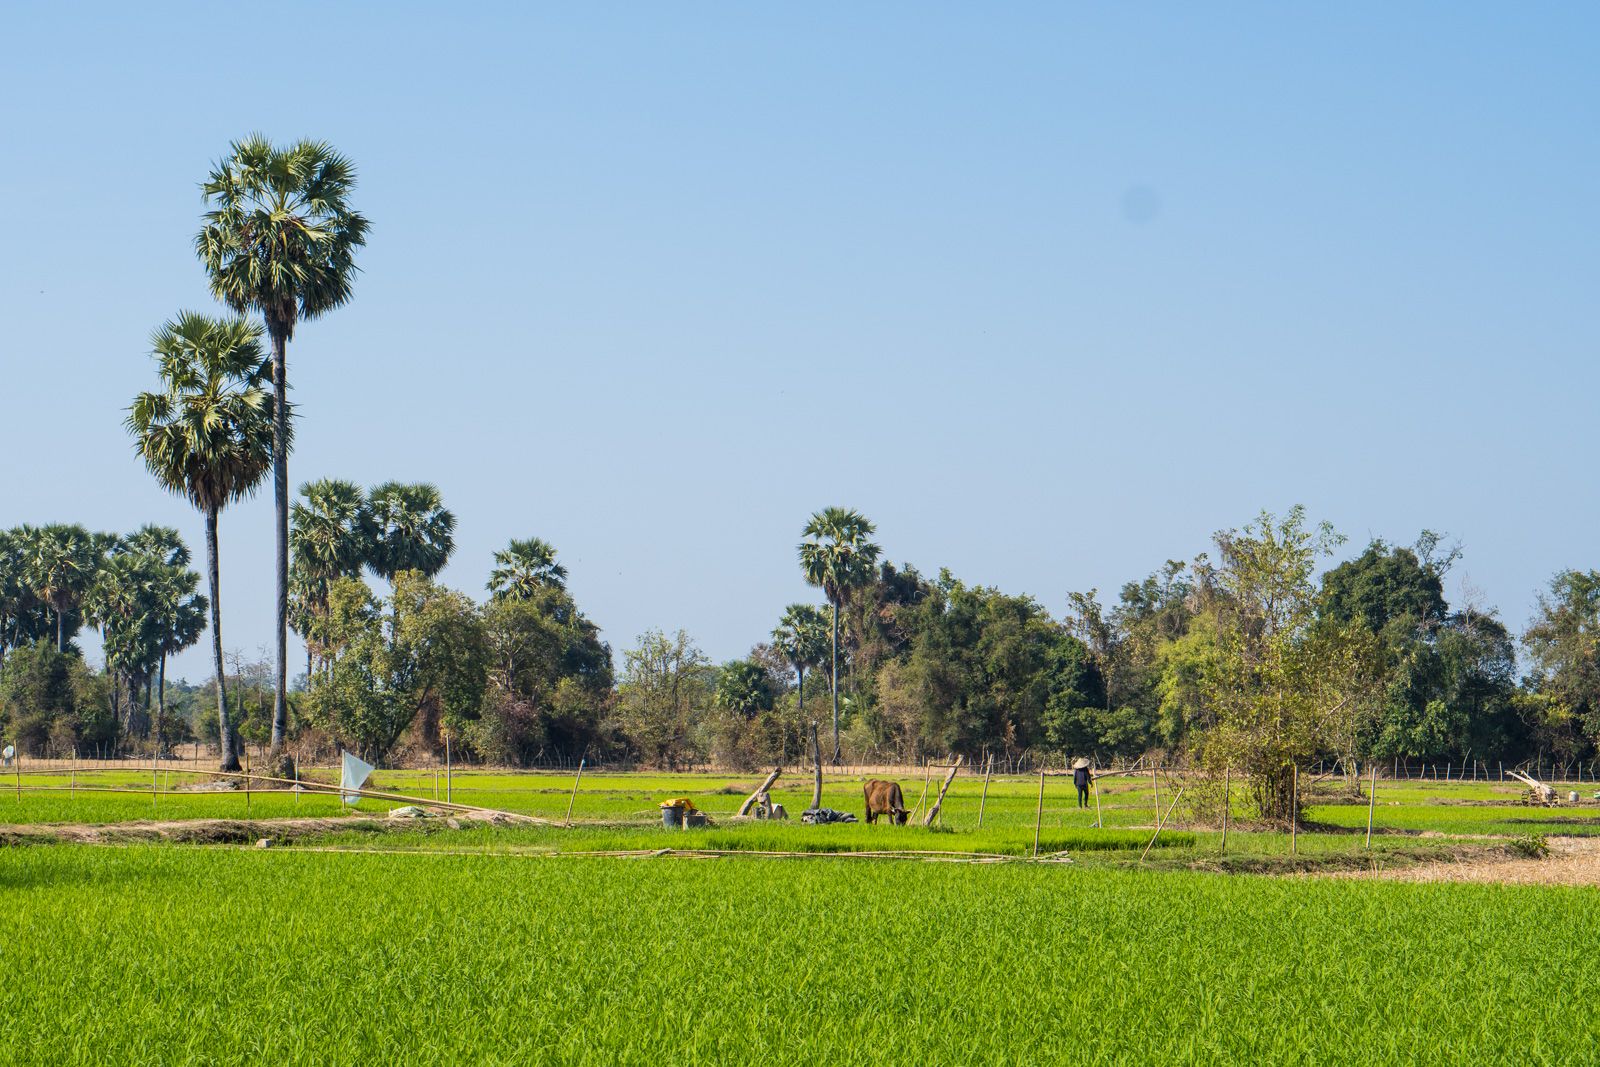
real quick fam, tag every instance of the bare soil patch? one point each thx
(1572, 861)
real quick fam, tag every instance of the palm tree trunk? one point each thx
(835, 680)
(230, 758)
(280, 499)
(161, 700)
(61, 638)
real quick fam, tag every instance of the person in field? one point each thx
(1081, 778)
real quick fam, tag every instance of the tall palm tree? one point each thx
(280, 239)
(837, 555)
(208, 435)
(523, 568)
(407, 528)
(327, 541)
(802, 637)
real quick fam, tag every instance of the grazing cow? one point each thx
(883, 798)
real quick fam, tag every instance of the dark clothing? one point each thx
(1080, 778)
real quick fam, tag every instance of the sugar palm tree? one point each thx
(280, 239)
(407, 528)
(59, 566)
(327, 541)
(208, 435)
(523, 568)
(802, 638)
(837, 555)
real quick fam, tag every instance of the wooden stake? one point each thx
(1227, 783)
(1372, 801)
(1038, 816)
(816, 768)
(448, 795)
(987, 770)
(933, 812)
(74, 776)
(927, 772)
(154, 784)
(247, 783)
(1294, 808)
(574, 798)
(1155, 793)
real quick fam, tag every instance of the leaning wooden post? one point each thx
(574, 798)
(1227, 783)
(1294, 807)
(933, 812)
(1039, 813)
(987, 770)
(749, 801)
(1099, 823)
(1372, 801)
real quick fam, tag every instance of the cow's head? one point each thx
(899, 815)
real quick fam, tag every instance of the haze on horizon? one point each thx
(1049, 295)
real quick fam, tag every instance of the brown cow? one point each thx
(884, 798)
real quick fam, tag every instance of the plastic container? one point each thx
(671, 816)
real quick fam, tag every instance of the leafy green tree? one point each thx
(525, 567)
(666, 688)
(550, 679)
(407, 528)
(430, 670)
(280, 238)
(837, 556)
(1563, 646)
(207, 435)
(51, 702)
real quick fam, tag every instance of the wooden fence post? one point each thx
(1038, 816)
(1372, 802)
(816, 768)
(447, 782)
(1227, 782)
(1294, 808)
(987, 770)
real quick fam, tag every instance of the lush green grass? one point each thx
(172, 955)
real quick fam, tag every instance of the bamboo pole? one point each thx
(1038, 816)
(1227, 784)
(1160, 822)
(927, 774)
(574, 798)
(1372, 802)
(987, 770)
(448, 795)
(1155, 792)
(16, 764)
(73, 776)
(154, 783)
(247, 777)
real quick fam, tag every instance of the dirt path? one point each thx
(1572, 861)
(220, 831)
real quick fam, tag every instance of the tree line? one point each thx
(1246, 655)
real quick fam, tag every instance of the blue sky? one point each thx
(1051, 292)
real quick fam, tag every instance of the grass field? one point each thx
(167, 954)
(364, 939)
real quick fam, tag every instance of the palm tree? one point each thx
(802, 638)
(407, 528)
(327, 541)
(59, 566)
(208, 435)
(280, 239)
(525, 567)
(837, 556)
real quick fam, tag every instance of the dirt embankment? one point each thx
(222, 831)
(1572, 861)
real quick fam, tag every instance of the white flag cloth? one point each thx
(353, 775)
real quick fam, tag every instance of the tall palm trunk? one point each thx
(280, 499)
(834, 673)
(61, 633)
(230, 758)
